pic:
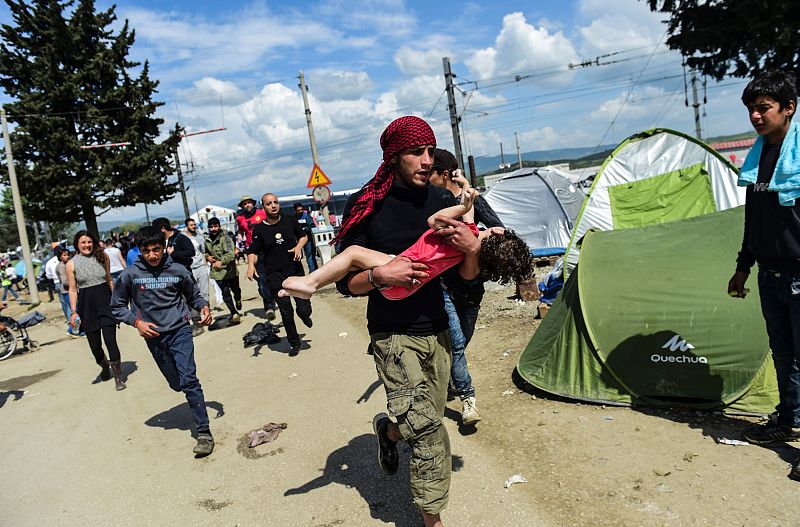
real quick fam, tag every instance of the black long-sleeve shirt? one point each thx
(485, 214)
(396, 224)
(771, 230)
(183, 251)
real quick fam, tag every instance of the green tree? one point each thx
(734, 37)
(9, 235)
(72, 84)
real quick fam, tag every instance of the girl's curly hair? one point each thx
(97, 251)
(505, 257)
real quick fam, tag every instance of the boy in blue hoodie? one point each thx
(155, 287)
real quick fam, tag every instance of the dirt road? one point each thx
(78, 453)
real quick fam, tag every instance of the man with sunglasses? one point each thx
(278, 244)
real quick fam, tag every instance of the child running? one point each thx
(503, 257)
(155, 286)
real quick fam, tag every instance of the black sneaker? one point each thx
(306, 320)
(795, 472)
(271, 314)
(770, 433)
(197, 330)
(294, 350)
(205, 444)
(388, 457)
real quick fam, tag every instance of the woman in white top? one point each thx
(115, 259)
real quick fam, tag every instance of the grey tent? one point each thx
(539, 204)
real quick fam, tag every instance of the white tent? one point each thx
(539, 204)
(227, 217)
(655, 176)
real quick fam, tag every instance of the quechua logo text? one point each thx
(677, 344)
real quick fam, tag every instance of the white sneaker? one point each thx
(470, 415)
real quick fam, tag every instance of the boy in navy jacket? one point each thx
(149, 295)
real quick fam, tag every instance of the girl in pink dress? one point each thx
(503, 255)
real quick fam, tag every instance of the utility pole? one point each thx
(502, 157)
(178, 166)
(181, 185)
(311, 138)
(192, 170)
(698, 132)
(147, 213)
(519, 155)
(451, 105)
(473, 176)
(23, 234)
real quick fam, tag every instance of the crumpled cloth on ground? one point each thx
(262, 333)
(267, 433)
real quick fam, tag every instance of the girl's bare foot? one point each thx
(297, 287)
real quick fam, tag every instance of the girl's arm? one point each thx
(108, 272)
(464, 209)
(73, 291)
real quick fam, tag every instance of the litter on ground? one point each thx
(267, 433)
(516, 478)
(734, 442)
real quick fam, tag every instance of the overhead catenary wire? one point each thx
(630, 91)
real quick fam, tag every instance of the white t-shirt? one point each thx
(115, 259)
(50, 269)
(11, 273)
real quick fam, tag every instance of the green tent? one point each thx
(644, 319)
(655, 176)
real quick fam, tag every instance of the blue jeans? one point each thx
(263, 288)
(780, 305)
(311, 256)
(6, 289)
(461, 317)
(173, 352)
(64, 299)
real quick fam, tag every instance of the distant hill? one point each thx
(488, 165)
(579, 157)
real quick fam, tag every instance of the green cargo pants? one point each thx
(415, 372)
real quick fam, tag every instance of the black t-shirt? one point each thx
(772, 231)
(272, 243)
(396, 224)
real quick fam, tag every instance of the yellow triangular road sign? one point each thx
(317, 178)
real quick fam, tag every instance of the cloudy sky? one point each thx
(235, 65)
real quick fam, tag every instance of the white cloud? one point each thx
(190, 45)
(208, 90)
(644, 101)
(387, 17)
(543, 138)
(330, 85)
(411, 61)
(519, 47)
(617, 26)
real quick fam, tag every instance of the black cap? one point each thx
(444, 160)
